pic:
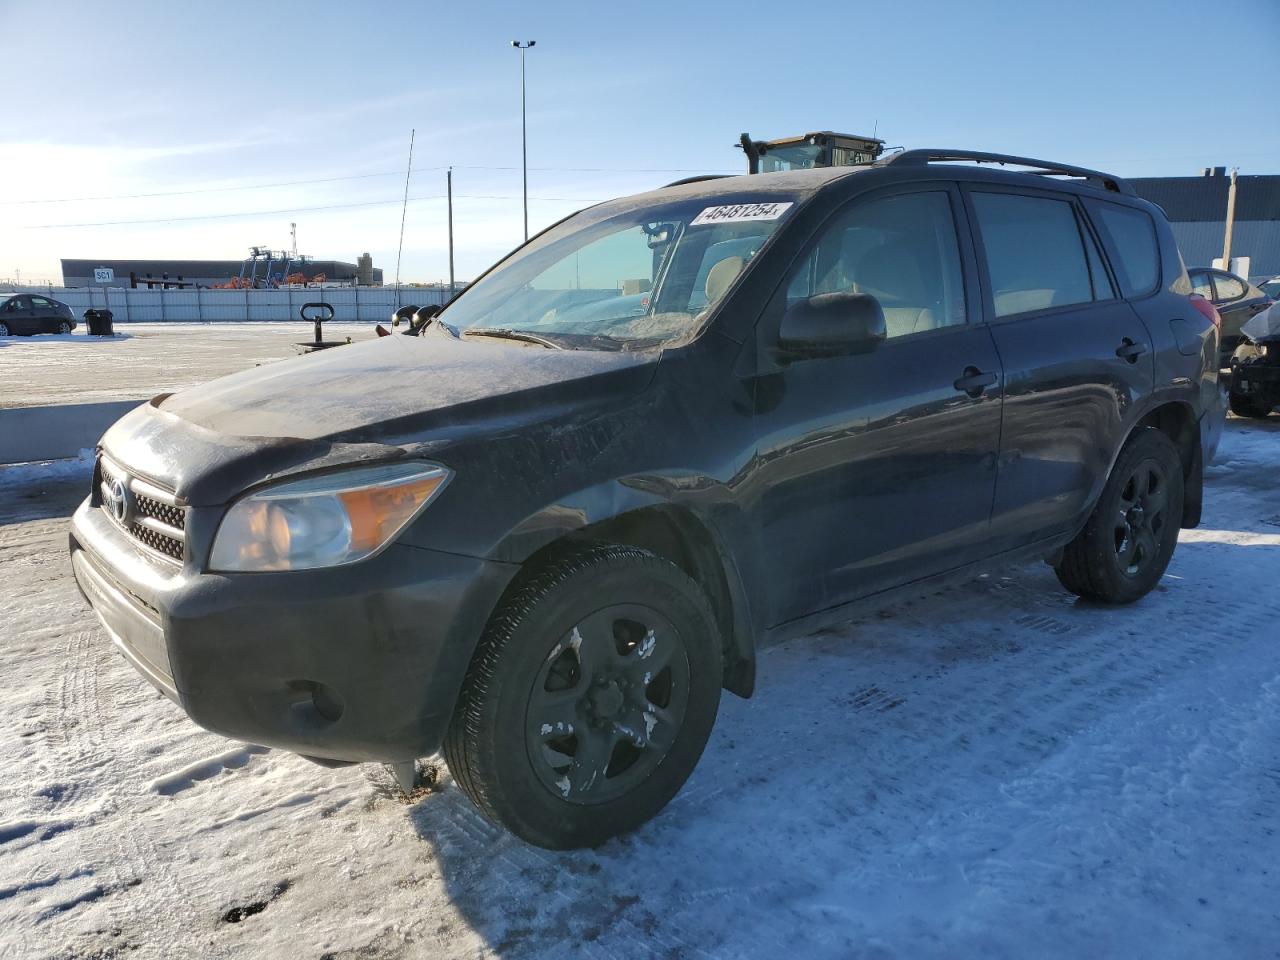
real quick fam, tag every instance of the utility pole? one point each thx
(1231, 221)
(524, 140)
(449, 182)
(293, 235)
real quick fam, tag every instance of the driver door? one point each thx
(18, 316)
(878, 467)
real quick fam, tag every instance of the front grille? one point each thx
(151, 515)
(166, 513)
(161, 543)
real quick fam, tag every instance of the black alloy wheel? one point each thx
(1143, 512)
(589, 698)
(1129, 538)
(608, 703)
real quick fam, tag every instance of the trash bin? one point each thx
(99, 322)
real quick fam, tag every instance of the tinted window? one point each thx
(40, 302)
(1133, 236)
(902, 250)
(1201, 284)
(1229, 287)
(1035, 253)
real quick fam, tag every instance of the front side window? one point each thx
(1035, 250)
(1229, 287)
(1133, 235)
(902, 250)
(638, 277)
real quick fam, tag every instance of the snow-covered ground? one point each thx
(998, 770)
(144, 359)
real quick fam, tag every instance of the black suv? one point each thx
(547, 531)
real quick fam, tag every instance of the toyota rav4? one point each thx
(545, 533)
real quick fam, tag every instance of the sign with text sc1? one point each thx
(103, 274)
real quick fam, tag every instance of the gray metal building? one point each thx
(1197, 209)
(203, 273)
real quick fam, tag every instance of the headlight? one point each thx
(326, 520)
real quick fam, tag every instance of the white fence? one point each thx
(201, 305)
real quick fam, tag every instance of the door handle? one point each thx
(1128, 350)
(974, 381)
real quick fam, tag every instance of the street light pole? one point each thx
(522, 46)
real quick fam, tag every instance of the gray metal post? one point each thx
(524, 139)
(449, 182)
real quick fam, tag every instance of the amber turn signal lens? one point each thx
(378, 512)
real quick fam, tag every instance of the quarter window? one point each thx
(1133, 236)
(1229, 288)
(1201, 284)
(1035, 252)
(902, 250)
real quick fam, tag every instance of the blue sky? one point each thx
(208, 103)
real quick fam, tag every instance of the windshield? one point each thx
(642, 277)
(802, 156)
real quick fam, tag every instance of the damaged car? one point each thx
(1255, 367)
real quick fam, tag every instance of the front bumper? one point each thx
(354, 663)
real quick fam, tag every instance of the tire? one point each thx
(4, 329)
(1248, 405)
(64, 327)
(563, 733)
(1128, 540)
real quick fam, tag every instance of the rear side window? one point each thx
(1133, 236)
(1201, 284)
(1036, 255)
(1229, 288)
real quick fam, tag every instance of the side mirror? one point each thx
(830, 324)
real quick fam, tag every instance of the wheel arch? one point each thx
(1177, 420)
(678, 534)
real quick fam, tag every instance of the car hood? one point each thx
(374, 400)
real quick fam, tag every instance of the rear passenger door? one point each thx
(1076, 356)
(43, 315)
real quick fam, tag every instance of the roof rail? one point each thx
(921, 157)
(697, 179)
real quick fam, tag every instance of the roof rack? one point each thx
(921, 157)
(697, 179)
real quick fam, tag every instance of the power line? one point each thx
(329, 206)
(354, 176)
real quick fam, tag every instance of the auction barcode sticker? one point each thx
(739, 212)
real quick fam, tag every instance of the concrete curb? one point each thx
(56, 432)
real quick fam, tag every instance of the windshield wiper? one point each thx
(503, 333)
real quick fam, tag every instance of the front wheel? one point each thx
(64, 328)
(4, 329)
(590, 698)
(1127, 543)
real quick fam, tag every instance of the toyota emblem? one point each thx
(117, 500)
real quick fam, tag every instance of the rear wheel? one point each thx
(1249, 405)
(590, 699)
(1127, 543)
